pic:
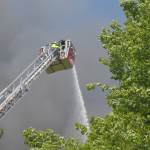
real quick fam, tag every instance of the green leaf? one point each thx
(100, 59)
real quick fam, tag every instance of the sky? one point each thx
(25, 26)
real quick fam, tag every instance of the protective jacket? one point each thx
(56, 45)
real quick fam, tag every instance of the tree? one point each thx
(128, 125)
(40, 140)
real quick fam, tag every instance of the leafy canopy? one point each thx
(48, 140)
(128, 125)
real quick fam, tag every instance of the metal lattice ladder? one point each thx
(19, 87)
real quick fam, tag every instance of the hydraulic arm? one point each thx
(48, 61)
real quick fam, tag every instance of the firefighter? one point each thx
(57, 48)
(62, 44)
(62, 48)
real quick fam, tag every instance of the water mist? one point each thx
(80, 110)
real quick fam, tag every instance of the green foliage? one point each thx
(1, 132)
(127, 127)
(40, 140)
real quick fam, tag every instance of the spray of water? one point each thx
(80, 111)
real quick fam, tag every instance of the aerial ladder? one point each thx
(46, 61)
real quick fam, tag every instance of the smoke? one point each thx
(26, 26)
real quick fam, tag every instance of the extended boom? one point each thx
(48, 61)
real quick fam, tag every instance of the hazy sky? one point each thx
(25, 26)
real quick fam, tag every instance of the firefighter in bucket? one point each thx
(59, 48)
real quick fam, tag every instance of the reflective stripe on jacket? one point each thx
(56, 45)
